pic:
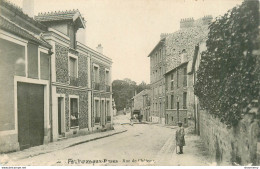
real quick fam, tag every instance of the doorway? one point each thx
(61, 116)
(30, 106)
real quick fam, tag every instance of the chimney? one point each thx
(164, 35)
(100, 48)
(28, 7)
(186, 23)
(207, 19)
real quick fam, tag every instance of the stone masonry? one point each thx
(230, 145)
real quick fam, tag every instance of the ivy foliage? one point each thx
(228, 76)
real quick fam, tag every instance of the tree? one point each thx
(124, 90)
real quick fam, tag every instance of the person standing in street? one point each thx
(180, 141)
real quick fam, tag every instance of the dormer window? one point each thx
(66, 22)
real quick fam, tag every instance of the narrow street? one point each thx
(142, 144)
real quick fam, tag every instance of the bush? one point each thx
(228, 76)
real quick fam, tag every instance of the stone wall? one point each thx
(172, 117)
(102, 71)
(83, 106)
(184, 39)
(62, 63)
(228, 145)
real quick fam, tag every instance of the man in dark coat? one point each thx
(180, 141)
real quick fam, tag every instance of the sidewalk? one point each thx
(58, 145)
(195, 153)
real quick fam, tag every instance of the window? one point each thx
(96, 72)
(107, 81)
(160, 54)
(172, 101)
(184, 100)
(166, 102)
(73, 67)
(73, 70)
(172, 118)
(74, 114)
(177, 78)
(108, 111)
(172, 81)
(107, 77)
(72, 36)
(185, 77)
(96, 78)
(97, 111)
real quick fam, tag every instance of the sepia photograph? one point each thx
(129, 83)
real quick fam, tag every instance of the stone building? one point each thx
(67, 83)
(170, 62)
(141, 102)
(81, 85)
(157, 70)
(176, 95)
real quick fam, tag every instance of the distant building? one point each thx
(157, 70)
(170, 62)
(141, 102)
(180, 51)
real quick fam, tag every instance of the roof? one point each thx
(182, 64)
(18, 11)
(194, 58)
(160, 42)
(15, 29)
(61, 16)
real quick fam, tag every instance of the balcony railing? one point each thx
(108, 88)
(97, 119)
(96, 86)
(109, 118)
(74, 81)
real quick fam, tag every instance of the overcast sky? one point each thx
(129, 29)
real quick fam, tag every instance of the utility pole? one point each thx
(178, 108)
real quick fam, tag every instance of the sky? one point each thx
(129, 29)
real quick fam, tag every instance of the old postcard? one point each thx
(129, 83)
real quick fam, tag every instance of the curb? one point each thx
(81, 142)
(71, 145)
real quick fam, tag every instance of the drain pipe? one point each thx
(50, 96)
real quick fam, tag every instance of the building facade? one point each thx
(157, 69)
(170, 62)
(176, 95)
(25, 80)
(195, 116)
(56, 81)
(181, 48)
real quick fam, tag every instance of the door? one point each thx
(102, 112)
(60, 111)
(30, 106)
